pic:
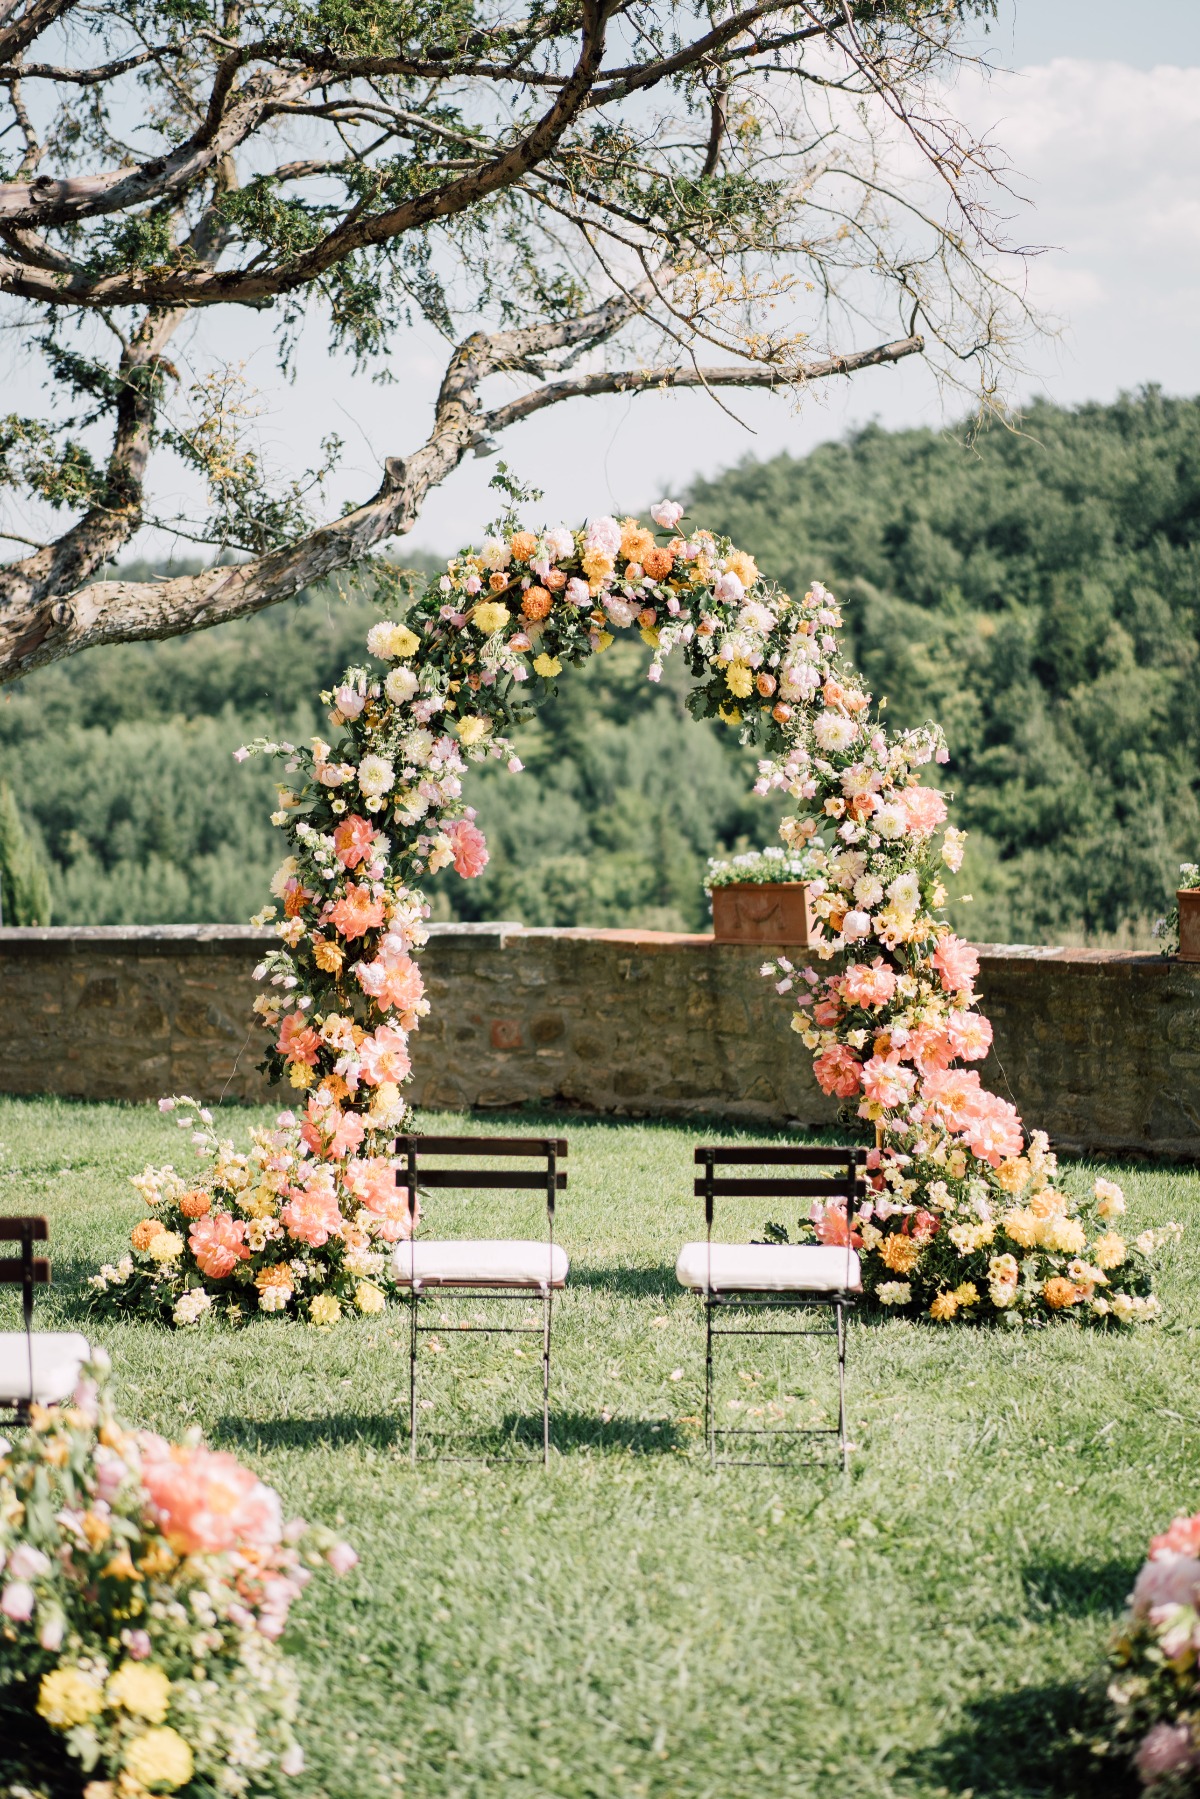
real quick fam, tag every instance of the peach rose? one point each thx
(352, 840)
(218, 1244)
(357, 913)
(205, 1502)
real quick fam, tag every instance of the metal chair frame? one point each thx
(844, 1182)
(414, 1178)
(26, 1271)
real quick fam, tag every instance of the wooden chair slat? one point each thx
(14, 1230)
(770, 1155)
(12, 1271)
(514, 1180)
(779, 1189)
(483, 1146)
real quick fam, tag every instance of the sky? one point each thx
(1097, 106)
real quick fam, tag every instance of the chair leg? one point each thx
(413, 1302)
(546, 1302)
(708, 1381)
(840, 1312)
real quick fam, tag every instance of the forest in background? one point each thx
(1036, 590)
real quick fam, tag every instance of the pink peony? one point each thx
(603, 535)
(929, 1049)
(218, 1243)
(957, 964)
(373, 1184)
(953, 1093)
(311, 1215)
(394, 983)
(1175, 1580)
(1183, 1538)
(1165, 1748)
(970, 1035)
(384, 1056)
(349, 701)
(470, 848)
(863, 986)
(667, 513)
(887, 1082)
(838, 1071)
(205, 1502)
(356, 913)
(341, 1558)
(993, 1130)
(17, 1601)
(297, 1039)
(829, 1221)
(924, 809)
(352, 840)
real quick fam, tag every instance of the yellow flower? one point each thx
(1109, 1251)
(160, 1758)
(603, 639)
(142, 1689)
(739, 680)
(547, 666)
(262, 1203)
(1014, 1174)
(597, 567)
(328, 956)
(1112, 1200)
(1021, 1226)
(943, 1308)
(325, 1309)
(649, 636)
(166, 1246)
(1066, 1235)
(743, 566)
(402, 643)
(67, 1697)
(473, 729)
(301, 1075)
(900, 1253)
(729, 715)
(369, 1298)
(490, 615)
(967, 1294)
(1048, 1203)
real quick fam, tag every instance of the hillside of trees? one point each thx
(1037, 590)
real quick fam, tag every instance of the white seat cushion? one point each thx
(480, 1263)
(57, 1358)
(768, 1268)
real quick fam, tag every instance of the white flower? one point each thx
(400, 685)
(375, 775)
(1112, 1200)
(893, 1293)
(905, 890)
(868, 892)
(754, 616)
(560, 542)
(495, 553)
(191, 1306)
(667, 514)
(856, 926)
(729, 588)
(889, 821)
(834, 732)
(619, 611)
(797, 680)
(604, 535)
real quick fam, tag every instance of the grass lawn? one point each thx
(633, 1622)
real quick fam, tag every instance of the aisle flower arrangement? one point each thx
(964, 1220)
(1154, 1689)
(143, 1588)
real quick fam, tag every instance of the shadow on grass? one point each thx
(1031, 1744)
(519, 1432)
(587, 1430)
(337, 1430)
(654, 1281)
(1080, 1590)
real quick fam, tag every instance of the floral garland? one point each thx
(964, 1221)
(1154, 1690)
(143, 1589)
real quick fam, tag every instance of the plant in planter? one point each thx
(764, 896)
(1180, 929)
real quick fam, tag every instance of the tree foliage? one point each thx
(24, 877)
(597, 196)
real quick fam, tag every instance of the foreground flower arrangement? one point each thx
(965, 1221)
(143, 1587)
(1154, 1691)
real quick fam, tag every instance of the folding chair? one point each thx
(34, 1369)
(491, 1269)
(771, 1277)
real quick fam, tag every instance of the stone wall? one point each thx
(1100, 1049)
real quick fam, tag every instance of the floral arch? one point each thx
(966, 1219)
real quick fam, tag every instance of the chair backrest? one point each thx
(25, 1269)
(840, 1177)
(414, 1172)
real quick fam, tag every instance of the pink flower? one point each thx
(28, 1563)
(341, 1558)
(829, 1221)
(1183, 1538)
(838, 1071)
(604, 535)
(139, 1645)
(929, 1048)
(349, 701)
(17, 1601)
(384, 1056)
(1165, 1747)
(470, 848)
(311, 1215)
(218, 1243)
(577, 592)
(887, 1082)
(863, 986)
(924, 808)
(993, 1130)
(970, 1035)
(1175, 1580)
(953, 1093)
(856, 925)
(667, 514)
(356, 913)
(957, 964)
(205, 1502)
(297, 1039)
(352, 840)
(373, 1184)
(51, 1635)
(394, 983)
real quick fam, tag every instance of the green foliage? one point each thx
(24, 877)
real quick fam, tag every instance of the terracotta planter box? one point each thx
(1189, 924)
(777, 912)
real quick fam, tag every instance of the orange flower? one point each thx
(522, 544)
(143, 1234)
(647, 617)
(1059, 1293)
(636, 542)
(555, 580)
(195, 1204)
(497, 582)
(297, 1040)
(765, 684)
(295, 899)
(278, 1275)
(328, 956)
(658, 563)
(537, 603)
(357, 913)
(899, 1253)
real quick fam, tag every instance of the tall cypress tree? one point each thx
(24, 878)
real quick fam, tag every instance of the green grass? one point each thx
(632, 1622)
